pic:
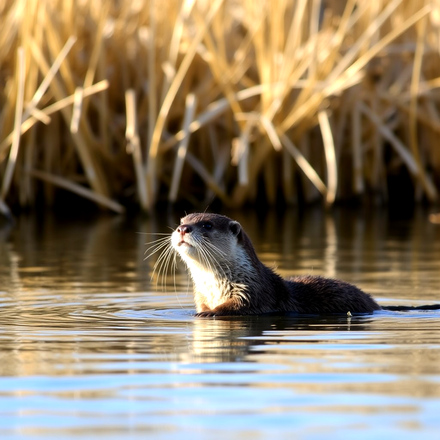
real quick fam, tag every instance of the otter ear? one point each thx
(235, 228)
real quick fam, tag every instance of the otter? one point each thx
(229, 278)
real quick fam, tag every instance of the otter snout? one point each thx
(182, 239)
(184, 229)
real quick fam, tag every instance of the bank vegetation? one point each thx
(143, 101)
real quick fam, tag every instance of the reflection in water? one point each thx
(91, 347)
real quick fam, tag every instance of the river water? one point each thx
(91, 347)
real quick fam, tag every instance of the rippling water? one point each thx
(90, 347)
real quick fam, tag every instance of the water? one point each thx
(90, 347)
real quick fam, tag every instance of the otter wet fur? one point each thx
(229, 279)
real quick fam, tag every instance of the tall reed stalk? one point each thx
(172, 99)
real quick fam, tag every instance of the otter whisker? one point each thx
(207, 256)
(154, 233)
(157, 245)
(167, 265)
(161, 265)
(164, 246)
(165, 237)
(161, 248)
(215, 252)
(160, 268)
(200, 251)
(215, 248)
(204, 256)
(174, 268)
(157, 268)
(210, 249)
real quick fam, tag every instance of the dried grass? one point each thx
(149, 100)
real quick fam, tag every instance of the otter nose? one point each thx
(184, 229)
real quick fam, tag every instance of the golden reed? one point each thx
(169, 99)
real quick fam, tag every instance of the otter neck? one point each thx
(220, 282)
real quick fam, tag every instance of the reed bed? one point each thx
(143, 101)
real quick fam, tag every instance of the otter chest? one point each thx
(212, 289)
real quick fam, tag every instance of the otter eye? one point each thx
(207, 226)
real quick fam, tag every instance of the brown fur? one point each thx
(229, 278)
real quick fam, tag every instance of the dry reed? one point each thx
(173, 99)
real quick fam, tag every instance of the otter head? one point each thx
(207, 239)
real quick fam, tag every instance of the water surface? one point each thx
(91, 347)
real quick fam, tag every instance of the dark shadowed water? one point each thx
(90, 347)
